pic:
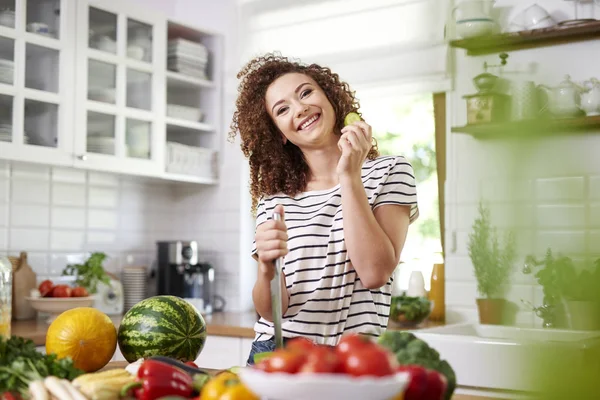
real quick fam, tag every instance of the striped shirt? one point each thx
(326, 295)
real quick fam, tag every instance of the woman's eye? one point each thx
(305, 93)
(281, 110)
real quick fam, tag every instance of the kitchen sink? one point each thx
(511, 358)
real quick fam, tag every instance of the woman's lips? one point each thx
(314, 119)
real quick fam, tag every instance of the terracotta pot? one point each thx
(491, 311)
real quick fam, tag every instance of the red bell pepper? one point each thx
(157, 379)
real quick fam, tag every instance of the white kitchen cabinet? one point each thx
(37, 48)
(221, 352)
(109, 85)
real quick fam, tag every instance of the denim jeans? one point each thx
(262, 346)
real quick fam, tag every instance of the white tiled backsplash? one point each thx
(561, 213)
(55, 212)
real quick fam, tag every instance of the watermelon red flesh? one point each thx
(162, 325)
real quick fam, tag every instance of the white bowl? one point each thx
(283, 386)
(470, 28)
(57, 305)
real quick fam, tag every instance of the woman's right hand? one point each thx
(271, 243)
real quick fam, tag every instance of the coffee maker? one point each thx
(180, 273)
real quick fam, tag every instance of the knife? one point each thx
(276, 297)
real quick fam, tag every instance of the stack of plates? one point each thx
(6, 71)
(101, 144)
(134, 285)
(187, 57)
(6, 133)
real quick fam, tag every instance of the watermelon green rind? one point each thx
(162, 325)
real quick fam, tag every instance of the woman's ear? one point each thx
(283, 139)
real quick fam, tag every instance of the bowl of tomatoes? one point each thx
(55, 299)
(357, 368)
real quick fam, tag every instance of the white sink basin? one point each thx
(507, 358)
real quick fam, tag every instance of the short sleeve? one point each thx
(261, 216)
(398, 187)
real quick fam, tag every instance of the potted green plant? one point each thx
(493, 263)
(90, 273)
(572, 296)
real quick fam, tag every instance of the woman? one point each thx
(308, 167)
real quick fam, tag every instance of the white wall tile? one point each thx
(4, 190)
(594, 220)
(63, 217)
(561, 241)
(3, 239)
(560, 216)
(4, 214)
(30, 216)
(103, 197)
(38, 262)
(594, 187)
(68, 195)
(69, 175)
(556, 189)
(67, 240)
(103, 179)
(101, 239)
(458, 269)
(461, 293)
(58, 261)
(503, 190)
(102, 219)
(27, 191)
(4, 169)
(28, 239)
(30, 171)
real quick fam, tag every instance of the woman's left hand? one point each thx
(355, 144)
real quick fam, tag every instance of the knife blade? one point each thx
(276, 297)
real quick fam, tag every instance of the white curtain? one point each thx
(365, 42)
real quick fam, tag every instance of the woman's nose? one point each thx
(302, 110)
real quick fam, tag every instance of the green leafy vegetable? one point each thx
(21, 363)
(410, 350)
(409, 309)
(89, 273)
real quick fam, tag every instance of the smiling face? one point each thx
(301, 110)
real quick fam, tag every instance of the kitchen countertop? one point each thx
(233, 324)
(123, 364)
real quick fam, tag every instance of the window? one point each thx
(404, 124)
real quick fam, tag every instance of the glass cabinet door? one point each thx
(119, 109)
(36, 57)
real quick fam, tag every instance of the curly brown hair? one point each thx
(276, 167)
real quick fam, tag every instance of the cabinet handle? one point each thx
(82, 157)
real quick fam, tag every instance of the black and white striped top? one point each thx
(327, 298)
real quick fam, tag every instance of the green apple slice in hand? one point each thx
(351, 118)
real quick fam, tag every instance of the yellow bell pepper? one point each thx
(226, 386)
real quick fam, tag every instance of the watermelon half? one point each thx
(162, 326)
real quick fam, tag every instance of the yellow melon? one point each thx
(85, 334)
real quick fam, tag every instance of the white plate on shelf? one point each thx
(282, 386)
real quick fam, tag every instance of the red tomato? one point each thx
(418, 381)
(45, 288)
(300, 344)
(283, 360)
(79, 292)
(373, 361)
(322, 359)
(352, 342)
(61, 291)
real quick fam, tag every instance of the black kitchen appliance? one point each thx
(180, 273)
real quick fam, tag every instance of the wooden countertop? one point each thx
(123, 364)
(234, 324)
